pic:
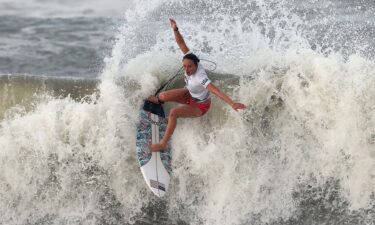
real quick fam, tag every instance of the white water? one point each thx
(309, 125)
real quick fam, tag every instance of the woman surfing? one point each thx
(195, 95)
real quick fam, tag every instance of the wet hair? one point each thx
(192, 57)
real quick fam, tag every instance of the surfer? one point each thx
(195, 95)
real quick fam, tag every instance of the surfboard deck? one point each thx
(155, 166)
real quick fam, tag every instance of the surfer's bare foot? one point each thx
(158, 147)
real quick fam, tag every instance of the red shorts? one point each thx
(202, 106)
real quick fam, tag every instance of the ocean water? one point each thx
(74, 74)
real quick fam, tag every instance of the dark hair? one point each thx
(192, 57)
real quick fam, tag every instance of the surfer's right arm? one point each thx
(179, 39)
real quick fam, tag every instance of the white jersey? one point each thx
(197, 83)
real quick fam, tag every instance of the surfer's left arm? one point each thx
(235, 105)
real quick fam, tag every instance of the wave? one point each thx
(24, 91)
(306, 138)
(55, 46)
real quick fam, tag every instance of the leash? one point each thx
(166, 84)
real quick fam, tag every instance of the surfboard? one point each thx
(155, 166)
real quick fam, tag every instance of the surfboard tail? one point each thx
(156, 176)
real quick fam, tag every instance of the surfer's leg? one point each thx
(185, 111)
(175, 95)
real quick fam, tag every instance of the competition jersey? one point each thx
(197, 84)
